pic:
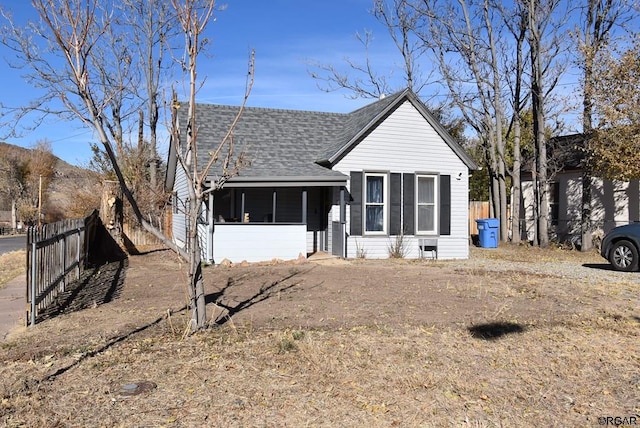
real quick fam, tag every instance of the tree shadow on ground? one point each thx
(267, 290)
(112, 342)
(495, 330)
(100, 282)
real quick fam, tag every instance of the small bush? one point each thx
(397, 248)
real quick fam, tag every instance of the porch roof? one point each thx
(287, 181)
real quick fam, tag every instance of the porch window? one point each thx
(427, 197)
(375, 203)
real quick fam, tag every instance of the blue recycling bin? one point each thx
(488, 232)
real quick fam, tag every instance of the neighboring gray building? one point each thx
(613, 202)
(348, 184)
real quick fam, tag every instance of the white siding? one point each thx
(179, 222)
(179, 218)
(255, 242)
(406, 143)
(378, 247)
(316, 241)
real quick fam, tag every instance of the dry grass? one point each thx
(387, 343)
(11, 265)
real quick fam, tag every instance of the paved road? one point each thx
(12, 243)
(12, 306)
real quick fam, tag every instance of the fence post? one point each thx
(33, 283)
(78, 260)
(64, 262)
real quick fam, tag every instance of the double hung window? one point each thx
(375, 211)
(427, 197)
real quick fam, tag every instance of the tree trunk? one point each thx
(536, 197)
(541, 164)
(543, 191)
(14, 215)
(111, 212)
(585, 223)
(537, 105)
(516, 186)
(196, 283)
(587, 128)
(492, 164)
(502, 186)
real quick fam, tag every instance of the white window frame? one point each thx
(435, 204)
(385, 203)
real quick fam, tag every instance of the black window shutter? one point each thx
(355, 218)
(445, 205)
(395, 199)
(408, 184)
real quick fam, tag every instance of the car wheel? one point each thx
(624, 256)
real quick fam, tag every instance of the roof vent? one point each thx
(382, 96)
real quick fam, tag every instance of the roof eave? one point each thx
(286, 181)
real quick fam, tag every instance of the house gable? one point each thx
(404, 142)
(407, 150)
(364, 121)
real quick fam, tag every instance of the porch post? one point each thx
(210, 220)
(242, 207)
(343, 207)
(273, 214)
(343, 222)
(304, 206)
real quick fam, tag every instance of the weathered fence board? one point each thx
(139, 237)
(56, 255)
(477, 209)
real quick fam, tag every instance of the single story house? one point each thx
(613, 203)
(360, 184)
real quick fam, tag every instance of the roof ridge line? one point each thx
(228, 106)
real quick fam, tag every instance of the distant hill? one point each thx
(73, 190)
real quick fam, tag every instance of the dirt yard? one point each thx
(513, 336)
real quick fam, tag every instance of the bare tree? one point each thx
(41, 168)
(363, 79)
(545, 36)
(154, 25)
(194, 16)
(69, 53)
(516, 23)
(13, 171)
(465, 42)
(600, 17)
(401, 19)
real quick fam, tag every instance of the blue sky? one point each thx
(286, 34)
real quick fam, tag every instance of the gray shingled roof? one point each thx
(292, 145)
(279, 143)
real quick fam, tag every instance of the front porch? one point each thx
(256, 224)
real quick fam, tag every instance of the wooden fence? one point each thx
(56, 255)
(135, 238)
(477, 209)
